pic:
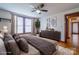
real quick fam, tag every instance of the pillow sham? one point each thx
(13, 47)
(15, 36)
(2, 48)
(23, 45)
(7, 37)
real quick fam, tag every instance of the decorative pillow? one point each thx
(1, 36)
(23, 45)
(16, 36)
(2, 47)
(8, 37)
(13, 47)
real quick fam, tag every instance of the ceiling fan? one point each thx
(39, 9)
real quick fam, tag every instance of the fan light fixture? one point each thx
(38, 11)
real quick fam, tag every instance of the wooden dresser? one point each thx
(54, 35)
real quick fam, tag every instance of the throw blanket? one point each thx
(45, 47)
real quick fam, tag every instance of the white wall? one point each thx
(4, 14)
(7, 15)
(60, 21)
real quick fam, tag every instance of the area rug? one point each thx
(64, 51)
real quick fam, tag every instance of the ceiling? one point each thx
(26, 8)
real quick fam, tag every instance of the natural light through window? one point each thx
(23, 25)
(19, 25)
(28, 24)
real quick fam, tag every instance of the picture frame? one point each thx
(54, 21)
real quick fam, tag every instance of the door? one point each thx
(75, 34)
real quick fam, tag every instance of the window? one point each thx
(19, 25)
(23, 25)
(28, 25)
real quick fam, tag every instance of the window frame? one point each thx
(17, 24)
(23, 25)
(26, 23)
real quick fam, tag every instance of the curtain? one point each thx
(13, 24)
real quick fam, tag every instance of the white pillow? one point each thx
(1, 36)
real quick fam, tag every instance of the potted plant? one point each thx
(37, 25)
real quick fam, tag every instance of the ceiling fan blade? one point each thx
(44, 10)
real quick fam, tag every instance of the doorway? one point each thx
(75, 34)
(72, 29)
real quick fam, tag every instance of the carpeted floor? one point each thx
(64, 51)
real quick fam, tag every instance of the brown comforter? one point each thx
(45, 47)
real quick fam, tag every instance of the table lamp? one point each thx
(5, 29)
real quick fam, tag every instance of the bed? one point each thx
(32, 49)
(35, 49)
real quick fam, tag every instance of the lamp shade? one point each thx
(5, 29)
